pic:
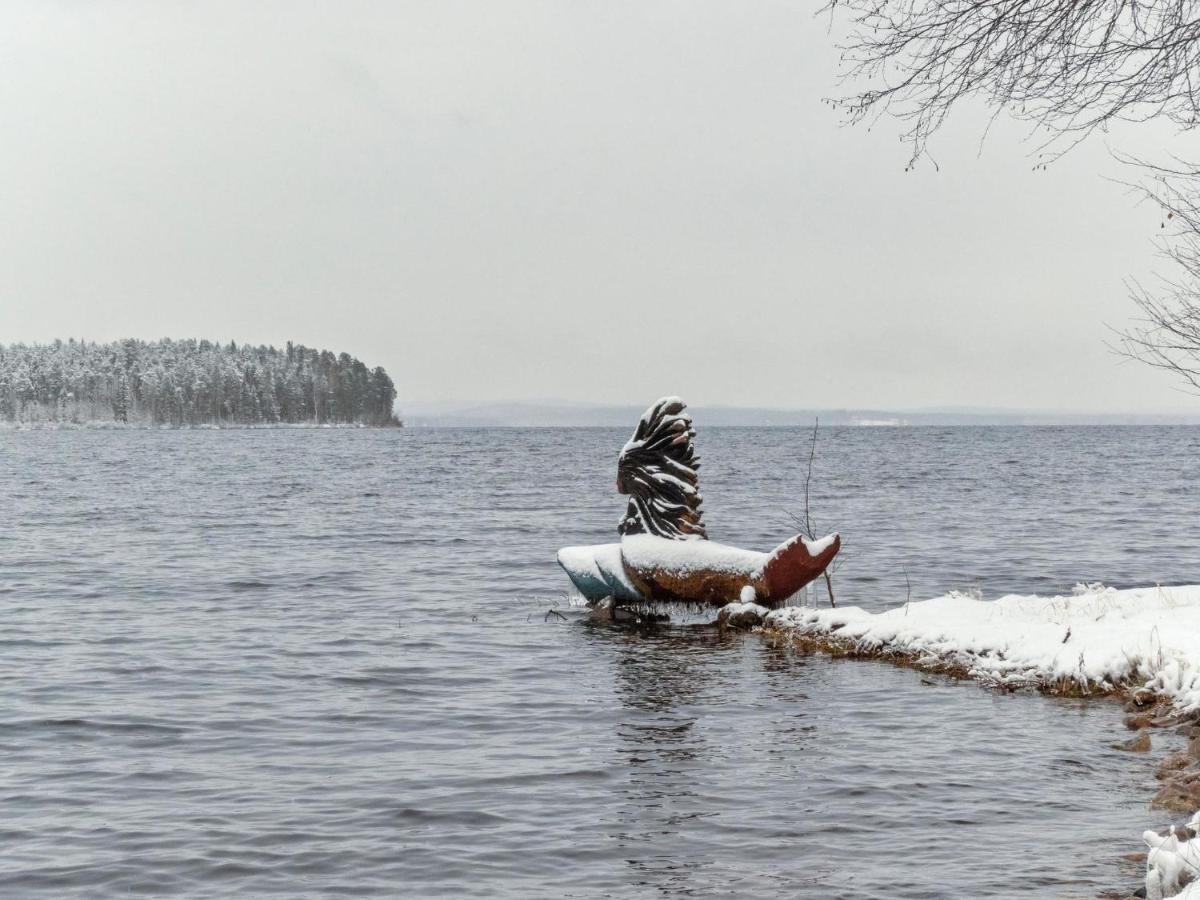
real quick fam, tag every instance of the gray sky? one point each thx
(594, 201)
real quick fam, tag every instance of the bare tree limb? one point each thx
(1166, 335)
(1069, 67)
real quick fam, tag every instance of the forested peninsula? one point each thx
(189, 383)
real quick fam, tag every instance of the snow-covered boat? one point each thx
(664, 552)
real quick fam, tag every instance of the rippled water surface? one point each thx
(320, 663)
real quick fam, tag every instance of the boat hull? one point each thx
(648, 568)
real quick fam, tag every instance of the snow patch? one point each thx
(1098, 638)
(741, 615)
(1173, 863)
(733, 609)
(816, 548)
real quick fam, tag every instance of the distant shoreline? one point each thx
(553, 416)
(189, 382)
(230, 426)
(418, 425)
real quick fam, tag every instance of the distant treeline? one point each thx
(189, 383)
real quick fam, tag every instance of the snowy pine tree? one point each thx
(189, 383)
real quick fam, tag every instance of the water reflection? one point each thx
(699, 705)
(750, 764)
(661, 667)
(661, 675)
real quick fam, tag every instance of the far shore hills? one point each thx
(568, 415)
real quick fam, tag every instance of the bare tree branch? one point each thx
(1069, 67)
(1167, 334)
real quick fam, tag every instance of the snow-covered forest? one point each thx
(189, 382)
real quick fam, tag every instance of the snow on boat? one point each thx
(664, 552)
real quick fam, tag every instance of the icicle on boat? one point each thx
(664, 553)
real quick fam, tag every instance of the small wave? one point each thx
(473, 817)
(102, 727)
(247, 585)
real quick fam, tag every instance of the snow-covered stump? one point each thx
(745, 614)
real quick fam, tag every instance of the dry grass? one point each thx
(843, 648)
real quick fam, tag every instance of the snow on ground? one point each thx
(1173, 861)
(1097, 639)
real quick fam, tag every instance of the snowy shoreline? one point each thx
(1096, 641)
(1141, 644)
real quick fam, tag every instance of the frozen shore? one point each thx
(1096, 641)
(1143, 644)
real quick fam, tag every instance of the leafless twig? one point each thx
(1069, 68)
(806, 524)
(1167, 334)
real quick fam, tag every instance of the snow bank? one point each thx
(1173, 861)
(1097, 640)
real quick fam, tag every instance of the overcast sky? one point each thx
(594, 201)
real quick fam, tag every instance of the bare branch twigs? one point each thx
(1069, 68)
(806, 524)
(1167, 333)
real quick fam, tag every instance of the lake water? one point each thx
(316, 663)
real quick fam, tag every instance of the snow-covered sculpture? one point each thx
(657, 469)
(664, 552)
